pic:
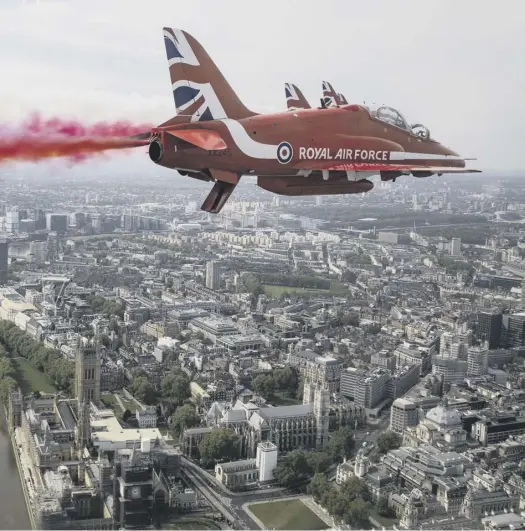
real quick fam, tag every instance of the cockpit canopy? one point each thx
(391, 116)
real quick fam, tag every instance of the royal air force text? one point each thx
(311, 153)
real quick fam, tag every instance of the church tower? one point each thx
(321, 412)
(308, 391)
(87, 373)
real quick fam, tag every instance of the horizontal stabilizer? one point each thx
(202, 138)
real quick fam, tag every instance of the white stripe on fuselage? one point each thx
(248, 145)
(403, 155)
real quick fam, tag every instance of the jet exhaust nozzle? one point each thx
(156, 151)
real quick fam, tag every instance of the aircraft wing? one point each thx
(376, 166)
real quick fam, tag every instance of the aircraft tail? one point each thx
(331, 97)
(295, 98)
(199, 89)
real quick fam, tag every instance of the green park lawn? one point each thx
(188, 522)
(31, 379)
(287, 514)
(276, 291)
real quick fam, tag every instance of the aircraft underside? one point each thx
(314, 183)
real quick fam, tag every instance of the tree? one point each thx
(264, 385)
(319, 487)
(382, 507)
(7, 385)
(220, 445)
(355, 488)
(318, 461)
(175, 387)
(104, 340)
(142, 389)
(293, 469)
(357, 514)
(126, 415)
(341, 443)
(286, 380)
(184, 417)
(388, 441)
(6, 368)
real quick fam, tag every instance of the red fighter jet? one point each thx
(328, 150)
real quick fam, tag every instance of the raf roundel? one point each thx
(284, 152)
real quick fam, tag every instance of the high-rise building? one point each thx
(4, 247)
(52, 246)
(452, 370)
(403, 414)
(213, 275)
(40, 219)
(12, 222)
(489, 328)
(513, 330)
(77, 219)
(57, 222)
(455, 247)
(87, 374)
(477, 362)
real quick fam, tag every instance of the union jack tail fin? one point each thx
(199, 89)
(332, 98)
(342, 99)
(295, 98)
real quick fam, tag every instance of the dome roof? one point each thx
(444, 417)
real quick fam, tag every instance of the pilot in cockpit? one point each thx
(393, 117)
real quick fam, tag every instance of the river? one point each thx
(13, 510)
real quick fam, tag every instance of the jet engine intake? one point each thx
(156, 150)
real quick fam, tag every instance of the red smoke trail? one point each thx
(37, 148)
(37, 139)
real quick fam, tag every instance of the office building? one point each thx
(213, 275)
(350, 378)
(477, 362)
(57, 222)
(513, 330)
(489, 328)
(12, 222)
(451, 370)
(455, 247)
(403, 414)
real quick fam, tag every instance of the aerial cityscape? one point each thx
(308, 317)
(361, 356)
